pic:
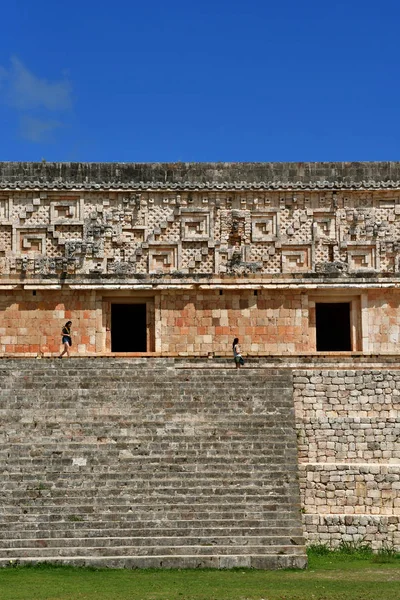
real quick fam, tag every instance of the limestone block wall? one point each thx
(193, 322)
(183, 324)
(348, 431)
(31, 321)
(383, 322)
(266, 322)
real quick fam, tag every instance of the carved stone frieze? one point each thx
(107, 232)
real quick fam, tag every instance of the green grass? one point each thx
(330, 576)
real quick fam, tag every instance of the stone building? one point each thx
(176, 259)
(160, 266)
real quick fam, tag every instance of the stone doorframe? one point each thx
(356, 302)
(128, 298)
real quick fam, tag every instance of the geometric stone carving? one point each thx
(65, 210)
(361, 258)
(5, 238)
(324, 226)
(4, 209)
(133, 236)
(163, 259)
(31, 242)
(264, 227)
(388, 202)
(296, 258)
(161, 235)
(196, 226)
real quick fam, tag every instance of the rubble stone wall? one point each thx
(349, 454)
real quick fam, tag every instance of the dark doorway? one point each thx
(128, 328)
(333, 326)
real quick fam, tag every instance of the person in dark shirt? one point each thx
(66, 338)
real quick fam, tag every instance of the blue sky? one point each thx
(200, 81)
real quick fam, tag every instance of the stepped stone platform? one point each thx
(148, 463)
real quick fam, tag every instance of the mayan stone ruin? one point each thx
(147, 447)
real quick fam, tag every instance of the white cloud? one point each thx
(41, 105)
(38, 130)
(26, 91)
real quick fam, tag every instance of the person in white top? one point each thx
(237, 355)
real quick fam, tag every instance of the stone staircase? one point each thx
(148, 463)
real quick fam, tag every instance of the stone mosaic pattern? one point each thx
(241, 232)
(349, 454)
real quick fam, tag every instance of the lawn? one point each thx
(327, 578)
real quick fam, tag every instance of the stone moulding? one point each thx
(199, 176)
(187, 185)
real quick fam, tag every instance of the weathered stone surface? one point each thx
(181, 175)
(128, 463)
(212, 250)
(349, 454)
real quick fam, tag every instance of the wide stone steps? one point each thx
(271, 489)
(215, 469)
(24, 536)
(116, 513)
(139, 492)
(233, 446)
(135, 462)
(275, 504)
(152, 431)
(178, 472)
(86, 528)
(132, 511)
(73, 518)
(139, 541)
(267, 560)
(145, 462)
(208, 549)
(267, 484)
(101, 369)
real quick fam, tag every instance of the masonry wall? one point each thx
(199, 323)
(349, 454)
(31, 324)
(195, 323)
(383, 321)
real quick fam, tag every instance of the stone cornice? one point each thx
(199, 176)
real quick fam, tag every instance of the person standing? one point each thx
(66, 338)
(237, 354)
